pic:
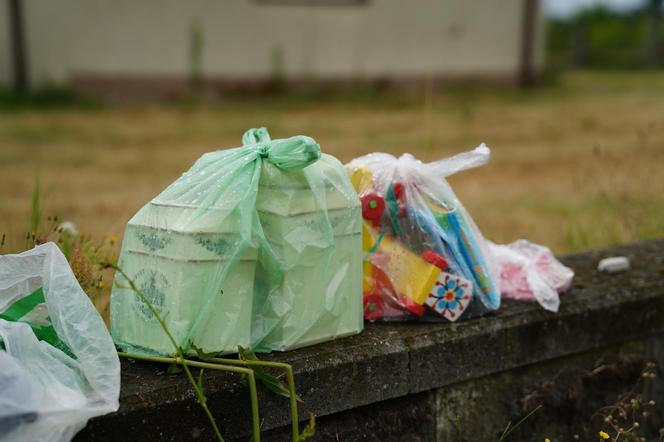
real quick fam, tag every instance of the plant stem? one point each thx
(178, 350)
(289, 377)
(156, 314)
(509, 430)
(210, 366)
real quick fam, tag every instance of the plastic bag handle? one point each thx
(256, 135)
(288, 154)
(463, 161)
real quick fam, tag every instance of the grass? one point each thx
(575, 165)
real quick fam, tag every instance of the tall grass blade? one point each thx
(35, 209)
(510, 427)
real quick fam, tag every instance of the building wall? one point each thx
(5, 53)
(243, 39)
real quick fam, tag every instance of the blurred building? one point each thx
(152, 48)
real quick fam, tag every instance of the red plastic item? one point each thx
(398, 191)
(373, 207)
(400, 195)
(434, 258)
(374, 306)
(411, 306)
(381, 280)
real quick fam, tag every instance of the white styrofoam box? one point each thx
(178, 260)
(320, 295)
(179, 289)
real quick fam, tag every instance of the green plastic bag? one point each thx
(258, 246)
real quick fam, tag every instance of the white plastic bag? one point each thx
(58, 363)
(529, 271)
(425, 259)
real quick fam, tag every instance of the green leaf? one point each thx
(310, 430)
(35, 213)
(245, 354)
(174, 369)
(66, 247)
(270, 382)
(200, 380)
(201, 354)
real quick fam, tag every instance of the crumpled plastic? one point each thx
(531, 272)
(425, 259)
(257, 246)
(58, 363)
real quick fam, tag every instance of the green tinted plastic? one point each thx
(258, 246)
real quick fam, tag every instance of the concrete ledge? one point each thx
(407, 361)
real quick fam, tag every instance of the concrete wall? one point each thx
(376, 38)
(460, 381)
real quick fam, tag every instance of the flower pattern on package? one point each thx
(450, 296)
(154, 241)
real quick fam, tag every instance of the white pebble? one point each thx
(614, 264)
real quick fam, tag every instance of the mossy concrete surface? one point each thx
(439, 381)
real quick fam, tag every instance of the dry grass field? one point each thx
(576, 165)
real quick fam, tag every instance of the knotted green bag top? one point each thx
(290, 154)
(253, 246)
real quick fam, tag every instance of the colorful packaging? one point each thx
(424, 257)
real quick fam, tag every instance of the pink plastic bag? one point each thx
(529, 271)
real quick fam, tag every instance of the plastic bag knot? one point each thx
(288, 154)
(263, 151)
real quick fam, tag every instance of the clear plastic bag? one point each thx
(530, 272)
(424, 257)
(258, 246)
(58, 365)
